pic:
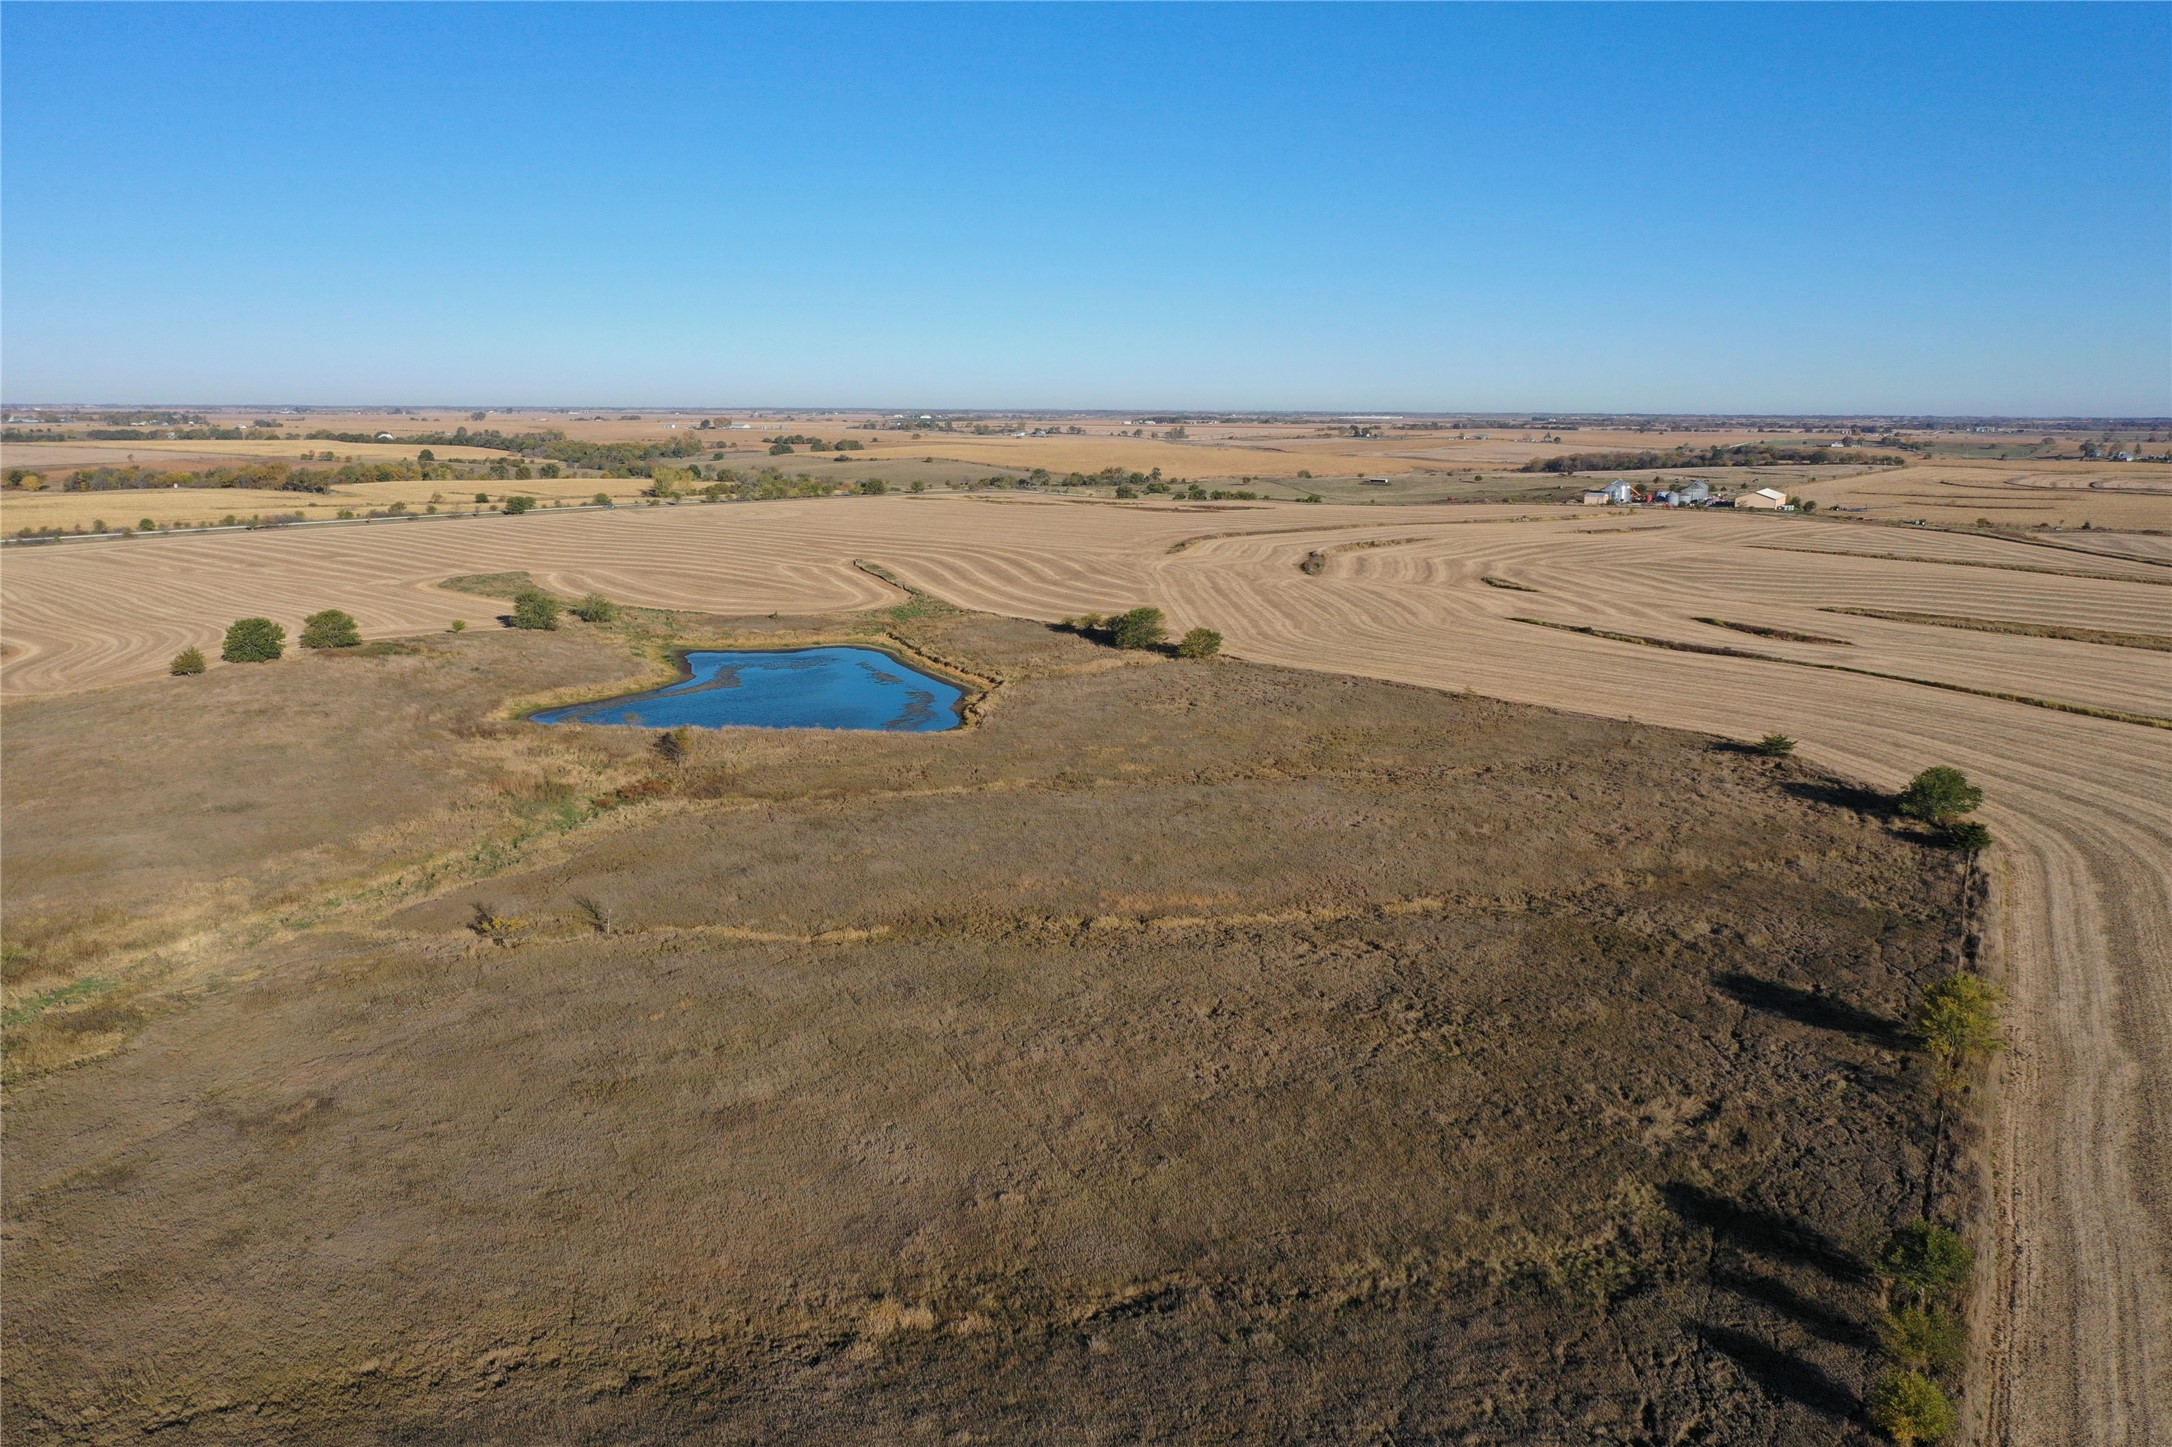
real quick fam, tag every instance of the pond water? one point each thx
(805, 688)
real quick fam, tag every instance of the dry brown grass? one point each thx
(1187, 1051)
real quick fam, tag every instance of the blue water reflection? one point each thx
(806, 688)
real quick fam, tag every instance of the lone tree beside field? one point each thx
(1939, 795)
(1139, 628)
(254, 640)
(534, 608)
(330, 629)
(1775, 746)
(595, 608)
(1958, 1022)
(518, 505)
(1199, 643)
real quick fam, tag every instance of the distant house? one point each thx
(1765, 498)
(1596, 497)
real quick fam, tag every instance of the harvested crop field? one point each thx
(2079, 1277)
(1203, 1051)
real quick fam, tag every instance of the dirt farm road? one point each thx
(2077, 1291)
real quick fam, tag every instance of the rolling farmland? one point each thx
(2083, 902)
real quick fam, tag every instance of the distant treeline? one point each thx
(181, 434)
(1745, 454)
(268, 476)
(131, 434)
(619, 459)
(458, 437)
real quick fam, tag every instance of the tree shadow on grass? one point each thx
(1806, 1007)
(1761, 1232)
(1836, 795)
(1780, 1374)
(1814, 1317)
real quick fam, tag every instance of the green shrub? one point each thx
(1923, 1338)
(1965, 835)
(1910, 1408)
(603, 499)
(147, 526)
(1958, 1021)
(874, 487)
(459, 625)
(1199, 643)
(534, 608)
(254, 640)
(1928, 1259)
(1139, 628)
(518, 505)
(330, 629)
(595, 608)
(1939, 796)
(1776, 746)
(187, 661)
(482, 497)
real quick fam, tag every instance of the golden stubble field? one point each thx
(2079, 1296)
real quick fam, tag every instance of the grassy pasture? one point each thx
(1186, 1051)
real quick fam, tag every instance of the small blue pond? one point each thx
(806, 688)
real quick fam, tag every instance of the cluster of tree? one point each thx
(1925, 1267)
(781, 445)
(623, 459)
(1144, 628)
(458, 437)
(1744, 454)
(534, 608)
(260, 640)
(618, 459)
(1111, 477)
(267, 476)
(140, 419)
(184, 434)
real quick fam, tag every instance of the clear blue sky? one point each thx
(1945, 208)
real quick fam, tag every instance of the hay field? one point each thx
(2010, 494)
(2080, 804)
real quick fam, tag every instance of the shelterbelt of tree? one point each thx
(2080, 802)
